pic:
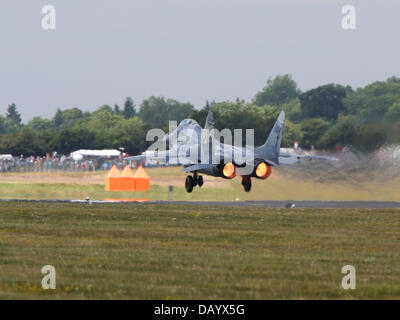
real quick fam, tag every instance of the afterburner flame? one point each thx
(263, 170)
(229, 170)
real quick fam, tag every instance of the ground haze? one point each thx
(310, 183)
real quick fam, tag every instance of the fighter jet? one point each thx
(201, 152)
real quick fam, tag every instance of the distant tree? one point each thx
(40, 124)
(292, 110)
(129, 108)
(321, 117)
(157, 111)
(278, 91)
(312, 131)
(343, 133)
(2, 125)
(117, 109)
(232, 115)
(13, 114)
(67, 118)
(68, 140)
(393, 135)
(369, 137)
(393, 113)
(26, 141)
(103, 108)
(374, 100)
(323, 102)
(103, 118)
(239, 115)
(58, 118)
(178, 110)
(105, 125)
(7, 125)
(131, 134)
(291, 133)
(201, 115)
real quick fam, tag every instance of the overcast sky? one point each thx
(189, 50)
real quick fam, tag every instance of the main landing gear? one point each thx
(191, 182)
(246, 183)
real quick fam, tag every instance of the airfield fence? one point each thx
(17, 164)
(64, 164)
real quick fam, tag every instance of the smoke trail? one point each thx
(354, 167)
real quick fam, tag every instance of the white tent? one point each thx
(6, 157)
(79, 154)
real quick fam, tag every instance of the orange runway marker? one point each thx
(113, 181)
(127, 200)
(127, 180)
(142, 180)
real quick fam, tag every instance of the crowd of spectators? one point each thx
(63, 163)
(56, 162)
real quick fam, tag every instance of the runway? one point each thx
(261, 204)
(291, 204)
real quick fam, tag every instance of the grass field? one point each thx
(184, 252)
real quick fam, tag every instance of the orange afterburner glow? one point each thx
(229, 170)
(263, 170)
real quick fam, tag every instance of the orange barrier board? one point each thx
(127, 200)
(127, 181)
(142, 180)
(113, 181)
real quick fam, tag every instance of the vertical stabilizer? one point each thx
(271, 148)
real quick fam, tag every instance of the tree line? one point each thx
(325, 117)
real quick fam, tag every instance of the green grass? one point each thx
(96, 192)
(173, 252)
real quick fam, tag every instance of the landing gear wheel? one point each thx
(200, 181)
(189, 184)
(246, 183)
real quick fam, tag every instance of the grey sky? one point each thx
(189, 50)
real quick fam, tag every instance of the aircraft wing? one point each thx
(317, 157)
(136, 158)
(144, 157)
(156, 156)
(291, 158)
(197, 167)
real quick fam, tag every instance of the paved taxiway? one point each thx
(288, 204)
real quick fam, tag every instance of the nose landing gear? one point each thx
(192, 182)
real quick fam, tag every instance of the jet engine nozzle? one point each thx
(262, 170)
(229, 170)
